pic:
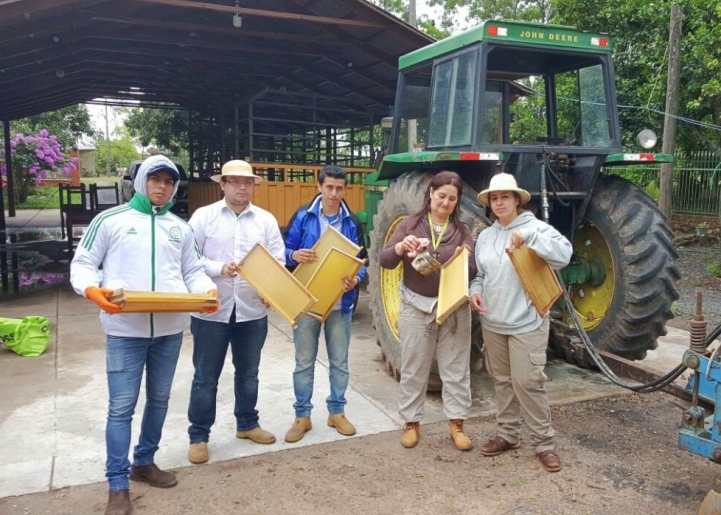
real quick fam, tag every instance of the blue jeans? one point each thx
(210, 345)
(337, 340)
(126, 359)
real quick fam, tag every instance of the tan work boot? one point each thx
(298, 429)
(198, 453)
(460, 440)
(341, 424)
(153, 475)
(119, 503)
(411, 432)
(257, 435)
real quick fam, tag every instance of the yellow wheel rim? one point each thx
(389, 281)
(592, 302)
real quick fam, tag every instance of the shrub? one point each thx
(32, 158)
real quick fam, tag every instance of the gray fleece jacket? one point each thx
(510, 310)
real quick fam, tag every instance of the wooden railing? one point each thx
(285, 188)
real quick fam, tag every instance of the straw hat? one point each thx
(236, 168)
(503, 182)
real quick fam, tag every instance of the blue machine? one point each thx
(701, 433)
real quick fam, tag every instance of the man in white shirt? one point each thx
(226, 231)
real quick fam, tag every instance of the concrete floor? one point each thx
(53, 409)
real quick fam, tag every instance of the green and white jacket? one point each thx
(140, 247)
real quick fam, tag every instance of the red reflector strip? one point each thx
(639, 157)
(599, 41)
(477, 156)
(497, 31)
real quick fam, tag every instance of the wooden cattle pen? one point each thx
(285, 188)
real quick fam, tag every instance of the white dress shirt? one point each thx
(223, 237)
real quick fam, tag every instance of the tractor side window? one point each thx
(582, 110)
(413, 110)
(451, 119)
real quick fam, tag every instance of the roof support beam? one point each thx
(265, 14)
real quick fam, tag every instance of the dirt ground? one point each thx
(620, 457)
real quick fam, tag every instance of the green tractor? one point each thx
(537, 101)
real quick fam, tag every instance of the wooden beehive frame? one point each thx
(326, 283)
(537, 277)
(161, 302)
(453, 288)
(331, 238)
(275, 284)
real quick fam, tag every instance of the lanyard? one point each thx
(433, 232)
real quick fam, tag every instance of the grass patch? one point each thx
(44, 197)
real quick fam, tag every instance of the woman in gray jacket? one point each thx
(515, 336)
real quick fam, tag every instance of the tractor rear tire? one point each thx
(404, 197)
(624, 229)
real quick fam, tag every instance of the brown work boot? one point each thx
(550, 461)
(411, 433)
(460, 440)
(498, 445)
(152, 475)
(298, 429)
(257, 435)
(341, 424)
(198, 453)
(119, 503)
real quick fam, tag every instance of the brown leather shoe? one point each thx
(498, 445)
(152, 475)
(198, 453)
(459, 437)
(119, 503)
(257, 435)
(550, 461)
(298, 430)
(341, 424)
(411, 433)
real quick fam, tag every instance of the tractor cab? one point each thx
(529, 100)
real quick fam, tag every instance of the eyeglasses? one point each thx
(237, 183)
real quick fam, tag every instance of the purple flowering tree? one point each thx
(32, 158)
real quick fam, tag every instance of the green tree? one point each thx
(436, 29)
(640, 32)
(477, 11)
(114, 154)
(164, 128)
(67, 125)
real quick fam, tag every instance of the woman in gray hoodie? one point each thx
(515, 336)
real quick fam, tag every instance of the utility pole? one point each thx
(669, 124)
(412, 124)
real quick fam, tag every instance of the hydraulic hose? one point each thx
(654, 385)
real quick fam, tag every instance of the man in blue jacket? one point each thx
(307, 225)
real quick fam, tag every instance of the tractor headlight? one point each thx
(647, 139)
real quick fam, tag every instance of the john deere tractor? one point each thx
(536, 101)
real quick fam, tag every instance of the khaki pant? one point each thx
(450, 343)
(516, 362)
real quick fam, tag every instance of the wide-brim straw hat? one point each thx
(503, 182)
(236, 168)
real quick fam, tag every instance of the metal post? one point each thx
(9, 169)
(3, 236)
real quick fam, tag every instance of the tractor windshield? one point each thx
(558, 99)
